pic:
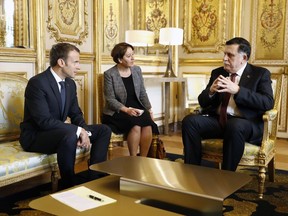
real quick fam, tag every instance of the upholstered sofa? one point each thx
(16, 164)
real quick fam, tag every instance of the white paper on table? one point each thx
(78, 198)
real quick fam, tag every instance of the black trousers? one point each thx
(198, 127)
(64, 143)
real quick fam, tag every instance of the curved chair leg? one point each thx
(155, 141)
(110, 150)
(271, 170)
(54, 177)
(261, 181)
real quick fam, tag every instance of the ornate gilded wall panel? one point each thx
(111, 27)
(204, 25)
(269, 32)
(68, 20)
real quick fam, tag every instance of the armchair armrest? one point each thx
(269, 128)
(270, 115)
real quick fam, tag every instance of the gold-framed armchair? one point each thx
(257, 156)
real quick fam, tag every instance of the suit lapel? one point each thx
(245, 76)
(55, 89)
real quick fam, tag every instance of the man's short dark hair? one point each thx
(244, 45)
(119, 51)
(61, 51)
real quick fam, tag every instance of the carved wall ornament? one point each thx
(269, 38)
(111, 27)
(204, 21)
(271, 19)
(204, 25)
(156, 17)
(68, 20)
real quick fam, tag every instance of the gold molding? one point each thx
(21, 31)
(204, 62)
(66, 26)
(200, 37)
(18, 73)
(17, 54)
(82, 91)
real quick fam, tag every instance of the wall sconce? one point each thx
(170, 36)
(140, 38)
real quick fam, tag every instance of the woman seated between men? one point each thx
(127, 107)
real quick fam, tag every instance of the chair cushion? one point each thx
(214, 147)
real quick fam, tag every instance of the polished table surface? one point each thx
(108, 186)
(192, 179)
(137, 180)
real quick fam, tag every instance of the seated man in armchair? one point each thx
(236, 119)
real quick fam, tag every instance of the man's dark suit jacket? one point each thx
(42, 109)
(253, 99)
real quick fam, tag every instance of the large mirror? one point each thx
(14, 28)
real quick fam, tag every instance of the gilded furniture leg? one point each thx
(261, 180)
(154, 145)
(110, 150)
(54, 177)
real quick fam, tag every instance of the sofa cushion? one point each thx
(14, 160)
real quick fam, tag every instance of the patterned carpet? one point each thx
(243, 202)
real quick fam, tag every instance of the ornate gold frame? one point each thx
(269, 32)
(200, 37)
(82, 91)
(21, 35)
(61, 23)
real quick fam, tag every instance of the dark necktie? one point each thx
(224, 104)
(63, 95)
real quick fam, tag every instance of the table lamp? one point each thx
(170, 36)
(140, 38)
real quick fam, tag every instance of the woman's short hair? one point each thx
(119, 51)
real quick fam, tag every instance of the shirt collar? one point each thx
(241, 70)
(57, 78)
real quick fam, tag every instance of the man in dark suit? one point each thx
(44, 129)
(249, 96)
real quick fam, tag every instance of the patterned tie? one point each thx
(63, 95)
(224, 104)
